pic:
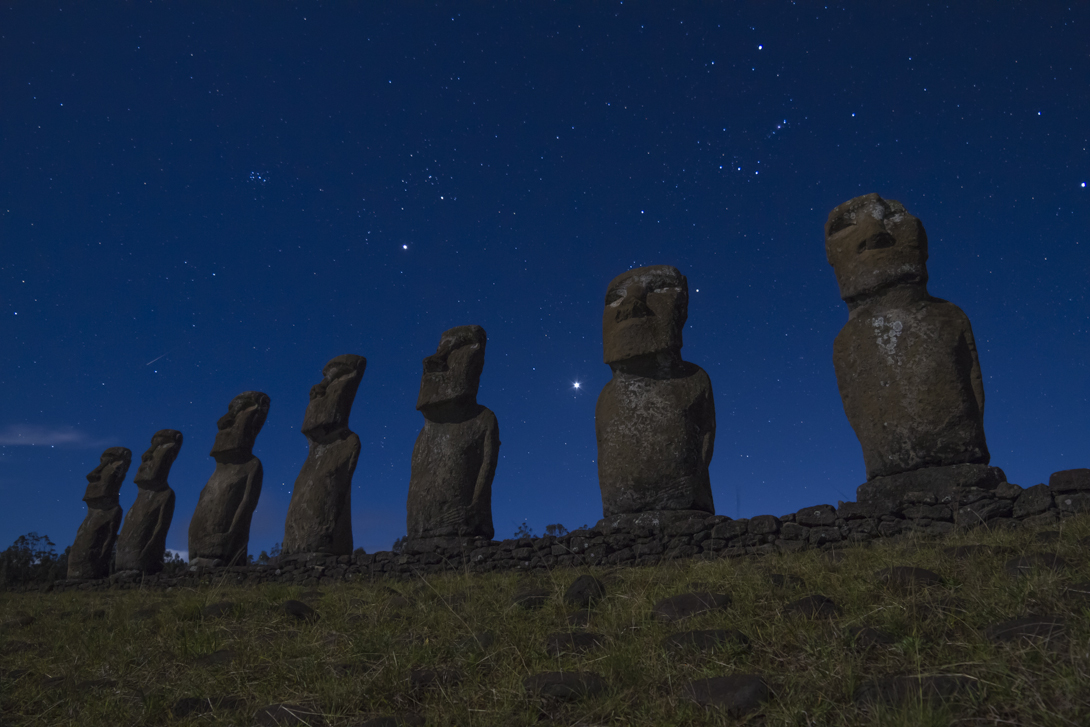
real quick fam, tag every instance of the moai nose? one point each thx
(435, 364)
(879, 240)
(634, 304)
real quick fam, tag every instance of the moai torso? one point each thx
(94, 544)
(320, 514)
(454, 459)
(655, 420)
(142, 542)
(219, 533)
(906, 363)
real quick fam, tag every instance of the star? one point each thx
(575, 384)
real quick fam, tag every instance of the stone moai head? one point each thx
(645, 313)
(104, 481)
(331, 398)
(239, 427)
(873, 244)
(452, 374)
(156, 462)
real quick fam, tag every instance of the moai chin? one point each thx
(454, 459)
(143, 538)
(906, 363)
(655, 420)
(320, 514)
(91, 552)
(219, 532)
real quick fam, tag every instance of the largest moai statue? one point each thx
(906, 363)
(454, 459)
(320, 514)
(219, 532)
(94, 545)
(655, 420)
(143, 538)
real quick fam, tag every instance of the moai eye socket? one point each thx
(841, 223)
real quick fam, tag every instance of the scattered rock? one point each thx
(585, 591)
(1026, 564)
(531, 598)
(564, 686)
(906, 578)
(865, 637)
(1028, 628)
(738, 693)
(299, 611)
(278, 715)
(580, 618)
(814, 606)
(686, 605)
(21, 620)
(707, 640)
(902, 690)
(222, 657)
(572, 642)
(218, 609)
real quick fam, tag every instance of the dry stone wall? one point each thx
(634, 544)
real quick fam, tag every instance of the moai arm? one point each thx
(483, 486)
(250, 495)
(709, 429)
(976, 379)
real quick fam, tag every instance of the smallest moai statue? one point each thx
(906, 362)
(219, 532)
(454, 459)
(142, 542)
(320, 514)
(94, 545)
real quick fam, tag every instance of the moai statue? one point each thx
(906, 363)
(143, 538)
(219, 532)
(655, 420)
(454, 459)
(320, 514)
(94, 545)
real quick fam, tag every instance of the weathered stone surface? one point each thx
(906, 363)
(738, 694)
(585, 591)
(320, 514)
(219, 531)
(816, 515)
(455, 456)
(299, 611)
(884, 495)
(1070, 480)
(655, 420)
(686, 605)
(1033, 501)
(143, 539)
(564, 686)
(94, 543)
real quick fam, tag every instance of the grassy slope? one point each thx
(146, 648)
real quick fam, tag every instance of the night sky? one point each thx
(201, 199)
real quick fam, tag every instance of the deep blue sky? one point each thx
(199, 199)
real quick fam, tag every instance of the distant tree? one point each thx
(524, 531)
(556, 530)
(173, 565)
(399, 544)
(358, 552)
(32, 558)
(264, 558)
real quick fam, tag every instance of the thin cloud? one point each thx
(33, 436)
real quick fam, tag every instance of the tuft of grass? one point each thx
(132, 657)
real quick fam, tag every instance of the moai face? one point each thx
(452, 374)
(331, 398)
(104, 481)
(239, 427)
(873, 244)
(645, 313)
(156, 462)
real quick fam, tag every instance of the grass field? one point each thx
(455, 649)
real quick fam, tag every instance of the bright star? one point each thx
(404, 247)
(575, 384)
